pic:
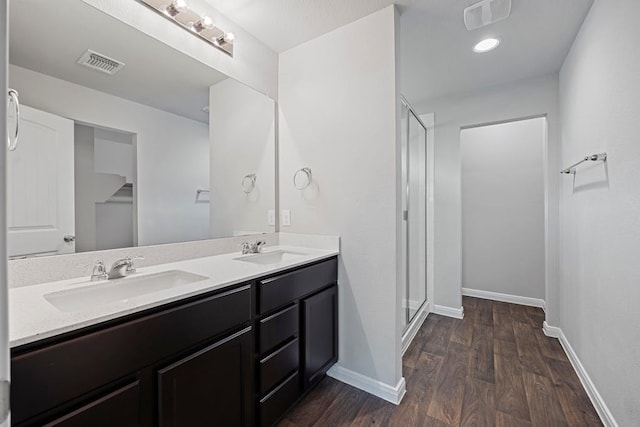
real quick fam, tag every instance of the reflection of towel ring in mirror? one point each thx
(249, 183)
(302, 178)
(12, 141)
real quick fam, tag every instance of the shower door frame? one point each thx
(413, 323)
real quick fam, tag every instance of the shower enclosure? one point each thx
(415, 214)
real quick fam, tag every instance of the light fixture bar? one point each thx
(203, 27)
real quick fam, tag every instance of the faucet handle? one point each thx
(99, 270)
(246, 247)
(131, 269)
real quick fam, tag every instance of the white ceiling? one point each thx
(437, 59)
(437, 55)
(283, 24)
(51, 41)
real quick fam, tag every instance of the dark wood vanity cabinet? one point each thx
(241, 356)
(297, 339)
(122, 369)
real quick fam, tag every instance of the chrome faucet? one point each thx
(252, 247)
(123, 267)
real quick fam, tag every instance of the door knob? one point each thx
(69, 238)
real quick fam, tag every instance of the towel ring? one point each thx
(249, 183)
(12, 142)
(302, 178)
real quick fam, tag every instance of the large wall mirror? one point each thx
(160, 149)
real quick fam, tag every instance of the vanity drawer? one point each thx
(47, 377)
(276, 403)
(281, 290)
(278, 365)
(278, 327)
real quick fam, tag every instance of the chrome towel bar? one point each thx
(592, 158)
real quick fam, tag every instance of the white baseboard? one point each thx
(551, 331)
(371, 386)
(513, 299)
(442, 310)
(414, 327)
(596, 399)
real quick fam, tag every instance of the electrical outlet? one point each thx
(286, 217)
(271, 217)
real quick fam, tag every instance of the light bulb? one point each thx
(175, 7)
(226, 38)
(204, 23)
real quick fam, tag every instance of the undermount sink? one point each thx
(273, 257)
(119, 290)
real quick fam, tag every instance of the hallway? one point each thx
(495, 367)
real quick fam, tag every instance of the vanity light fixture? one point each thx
(486, 45)
(203, 26)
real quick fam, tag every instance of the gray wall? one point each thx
(521, 99)
(242, 135)
(600, 278)
(503, 208)
(84, 172)
(338, 106)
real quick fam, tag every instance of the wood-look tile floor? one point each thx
(494, 368)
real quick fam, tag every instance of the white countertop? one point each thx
(32, 317)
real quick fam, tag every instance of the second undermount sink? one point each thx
(272, 257)
(119, 290)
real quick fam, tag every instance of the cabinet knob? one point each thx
(68, 238)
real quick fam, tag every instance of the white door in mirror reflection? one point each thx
(40, 186)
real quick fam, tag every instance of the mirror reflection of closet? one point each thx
(104, 185)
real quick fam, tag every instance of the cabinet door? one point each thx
(210, 387)
(320, 334)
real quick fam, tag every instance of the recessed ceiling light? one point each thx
(486, 45)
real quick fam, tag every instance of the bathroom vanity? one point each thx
(226, 354)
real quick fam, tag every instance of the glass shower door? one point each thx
(414, 205)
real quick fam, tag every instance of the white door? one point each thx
(40, 186)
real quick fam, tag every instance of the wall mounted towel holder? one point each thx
(249, 183)
(602, 157)
(302, 178)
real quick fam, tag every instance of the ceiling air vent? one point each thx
(486, 12)
(100, 62)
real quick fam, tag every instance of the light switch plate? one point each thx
(271, 217)
(286, 217)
